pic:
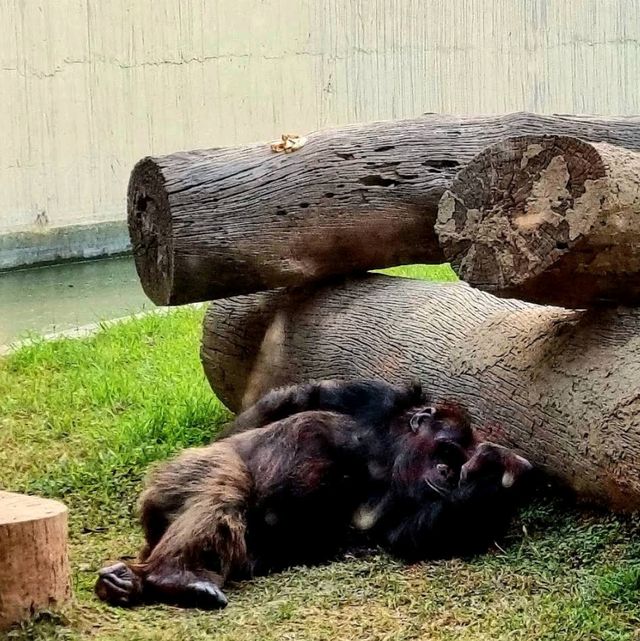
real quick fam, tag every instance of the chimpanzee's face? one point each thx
(441, 453)
(442, 467)
(433, 452)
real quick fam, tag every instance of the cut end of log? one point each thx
(547, 219)
(518, 207)
(34, 566)
(150, 230)
(21, 508)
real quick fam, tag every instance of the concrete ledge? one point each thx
(75, 242)
(85, 331)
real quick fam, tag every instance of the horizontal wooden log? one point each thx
(548, 219)
(34, 567)
(219, 222)
(561, 386)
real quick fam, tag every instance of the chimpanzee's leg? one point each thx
(189, 564)
(201, 545)
(199, 550)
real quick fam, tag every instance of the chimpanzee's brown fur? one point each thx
(196, 508)
(287, 492)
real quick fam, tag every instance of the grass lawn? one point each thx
(82, 420)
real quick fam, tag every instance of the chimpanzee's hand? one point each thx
(491, 461)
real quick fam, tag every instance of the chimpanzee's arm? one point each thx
(367, 400)
(474, 515)
(441, 530)
(414, 532)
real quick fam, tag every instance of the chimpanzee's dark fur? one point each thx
(325, 454)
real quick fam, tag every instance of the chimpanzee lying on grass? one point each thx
(298, 473)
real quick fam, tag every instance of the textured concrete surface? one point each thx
(87, 87)
(23, 248)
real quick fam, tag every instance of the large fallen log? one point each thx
(220, 222)
(548, 219)
(562, 386)
(34, 567)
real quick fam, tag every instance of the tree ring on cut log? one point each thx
(22, 508)
(518, 207)
(150, 229)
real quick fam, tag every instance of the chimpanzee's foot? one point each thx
(205, 595)
(185, 588)
(119, 585)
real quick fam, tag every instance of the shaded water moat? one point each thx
(42, 300)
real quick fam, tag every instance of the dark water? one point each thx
(42, 300)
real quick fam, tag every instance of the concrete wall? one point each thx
(87, 87)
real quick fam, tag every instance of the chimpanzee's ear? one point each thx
(426, 413)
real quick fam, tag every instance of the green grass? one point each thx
(422, 272)
(83, 419)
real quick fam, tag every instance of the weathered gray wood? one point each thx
(548, 219)
(562, 386)
(215, 223)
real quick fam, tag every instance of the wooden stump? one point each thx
(34, 566)
(548, 219)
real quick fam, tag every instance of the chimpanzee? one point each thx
(261, 499)
(430, 486)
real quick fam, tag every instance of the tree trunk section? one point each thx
(561, 386)
(548, 219)
(221, 222)
(34, 567)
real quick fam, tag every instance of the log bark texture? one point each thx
(34, 566)
(220, 222)
(548, 219)
(562, 386)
